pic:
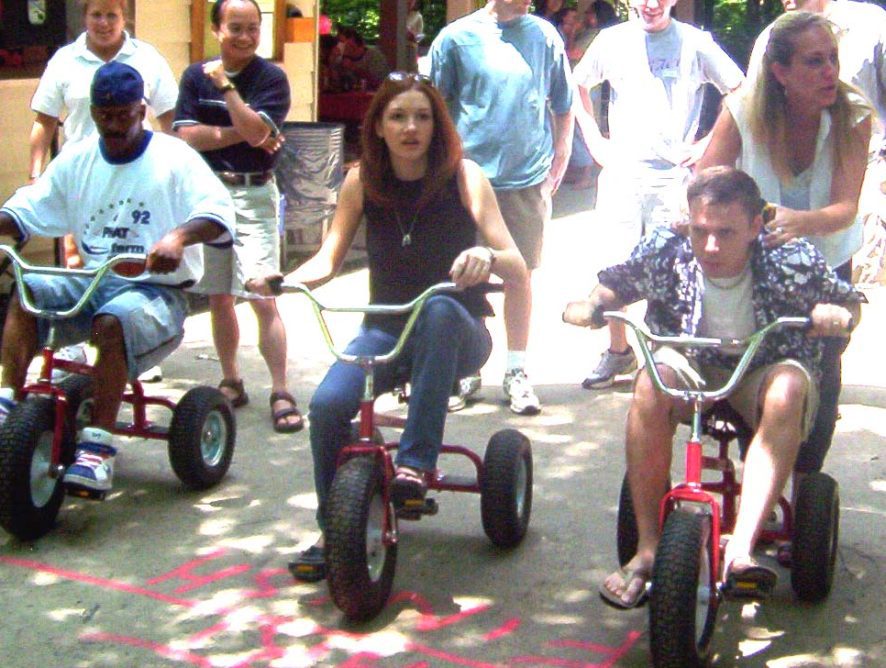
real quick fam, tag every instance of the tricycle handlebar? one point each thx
(20, 267)
(751, 344)
(413, 308)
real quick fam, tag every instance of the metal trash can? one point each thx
(309, 174)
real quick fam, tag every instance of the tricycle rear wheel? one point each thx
(202, 435)
(816, 533)
(506, 488)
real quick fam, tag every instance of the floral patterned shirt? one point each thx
(788, 280)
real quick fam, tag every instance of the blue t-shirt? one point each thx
(262, 85)
(501, 81)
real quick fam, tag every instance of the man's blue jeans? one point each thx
(447, 343)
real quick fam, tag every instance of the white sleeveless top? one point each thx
(837, 247)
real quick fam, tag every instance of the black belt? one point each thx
(245, 178)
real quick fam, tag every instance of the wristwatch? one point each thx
(228, 86)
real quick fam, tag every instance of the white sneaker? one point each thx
(74, 353)
(611, 365)
(6, 405)
(468, 387)
(92, 472)
(519, 392)
(152, 375)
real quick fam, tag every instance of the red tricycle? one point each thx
(362, 534)
(37, 440)
(686, 589)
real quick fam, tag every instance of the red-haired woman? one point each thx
(424, 205)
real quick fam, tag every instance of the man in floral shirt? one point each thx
(720, 281)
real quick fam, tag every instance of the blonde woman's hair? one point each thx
(768, 103)
(123, 4)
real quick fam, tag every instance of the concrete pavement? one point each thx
(157, 576)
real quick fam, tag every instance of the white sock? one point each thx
(95, 435)
(516, 360)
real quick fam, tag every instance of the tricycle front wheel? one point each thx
(31, 492)
(360, 560)
(684, 600)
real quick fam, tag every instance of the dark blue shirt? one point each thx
(262, 86)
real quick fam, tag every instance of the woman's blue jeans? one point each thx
(447, 343)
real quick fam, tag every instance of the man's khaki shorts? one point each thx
(526, 211)
(745, 398)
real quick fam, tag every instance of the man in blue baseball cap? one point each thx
(125, 190)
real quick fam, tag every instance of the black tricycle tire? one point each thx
(79, 391)
(506, 488)
(360, 567)
(683, 558)
(626, 532)
(816, 534)
(202, 435)
(25, 453)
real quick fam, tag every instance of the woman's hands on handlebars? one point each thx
(472, 266)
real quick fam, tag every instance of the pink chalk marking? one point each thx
(165, 651)
(429, 621)
(104, 583)
(265, 588)
(505, 629)
(183, 572)
(357, 660)
(615, 653)
(451, 658)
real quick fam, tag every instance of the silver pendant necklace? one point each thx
(407, 233)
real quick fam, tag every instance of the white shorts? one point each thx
(256, 250)
(631, 202)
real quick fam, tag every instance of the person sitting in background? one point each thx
(415, 28)
(548, 9)
(354, 65)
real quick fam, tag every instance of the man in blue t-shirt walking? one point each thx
(506, 79)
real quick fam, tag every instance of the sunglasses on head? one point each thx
(399, 75)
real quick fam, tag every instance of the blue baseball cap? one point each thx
(116, 84)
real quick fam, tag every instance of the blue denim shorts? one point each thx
(152, 316)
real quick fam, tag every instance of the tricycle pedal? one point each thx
(84, 493)
(413, 509)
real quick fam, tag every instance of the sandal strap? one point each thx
(282, 395)
(232, 384)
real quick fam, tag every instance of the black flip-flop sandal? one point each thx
(408, 487)
(749, 582)
(310, 565)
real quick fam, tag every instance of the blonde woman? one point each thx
(802, 134)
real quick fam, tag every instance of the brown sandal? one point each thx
(240, 397)
(277, 416)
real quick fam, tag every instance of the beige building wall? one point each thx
(166, 24)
